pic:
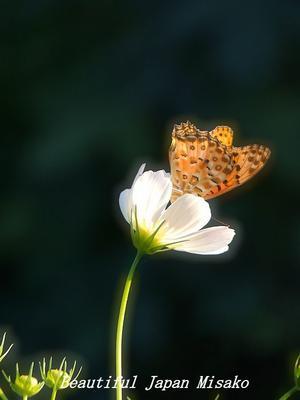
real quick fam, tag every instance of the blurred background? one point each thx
(89, 90)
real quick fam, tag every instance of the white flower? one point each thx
(154, 227)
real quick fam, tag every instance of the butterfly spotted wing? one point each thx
(206, 164)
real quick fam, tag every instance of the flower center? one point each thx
(145, 240)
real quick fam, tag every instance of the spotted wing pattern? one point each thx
(224, 134)
(206, 164)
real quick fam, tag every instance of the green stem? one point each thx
(2, 395)
(25, 397)
(53, 394)
(120, 323)
(288, 394)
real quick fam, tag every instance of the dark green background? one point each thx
(89, 90)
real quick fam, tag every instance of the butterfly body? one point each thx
(206, 164)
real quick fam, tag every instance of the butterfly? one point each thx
(205, 163)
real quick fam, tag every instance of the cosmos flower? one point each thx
(156, 227)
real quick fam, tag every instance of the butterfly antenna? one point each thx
(220, 222)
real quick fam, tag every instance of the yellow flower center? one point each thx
(148, 241)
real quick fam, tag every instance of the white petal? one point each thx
(139, 173)
(187, 215)
(126, 204)
(213, 240)
(150, 194)
(125, 198)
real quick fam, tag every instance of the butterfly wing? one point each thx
(224, 134)
(206, 166)
(199, 164)
(247, 161)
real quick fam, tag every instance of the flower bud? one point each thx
(25, 385)
(57, 378)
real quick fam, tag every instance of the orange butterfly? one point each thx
(206, 164)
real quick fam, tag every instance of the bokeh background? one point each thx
(89, 90)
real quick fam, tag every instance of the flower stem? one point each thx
(2, 395)
(53, 394)
(120, 323)
(288, 394)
